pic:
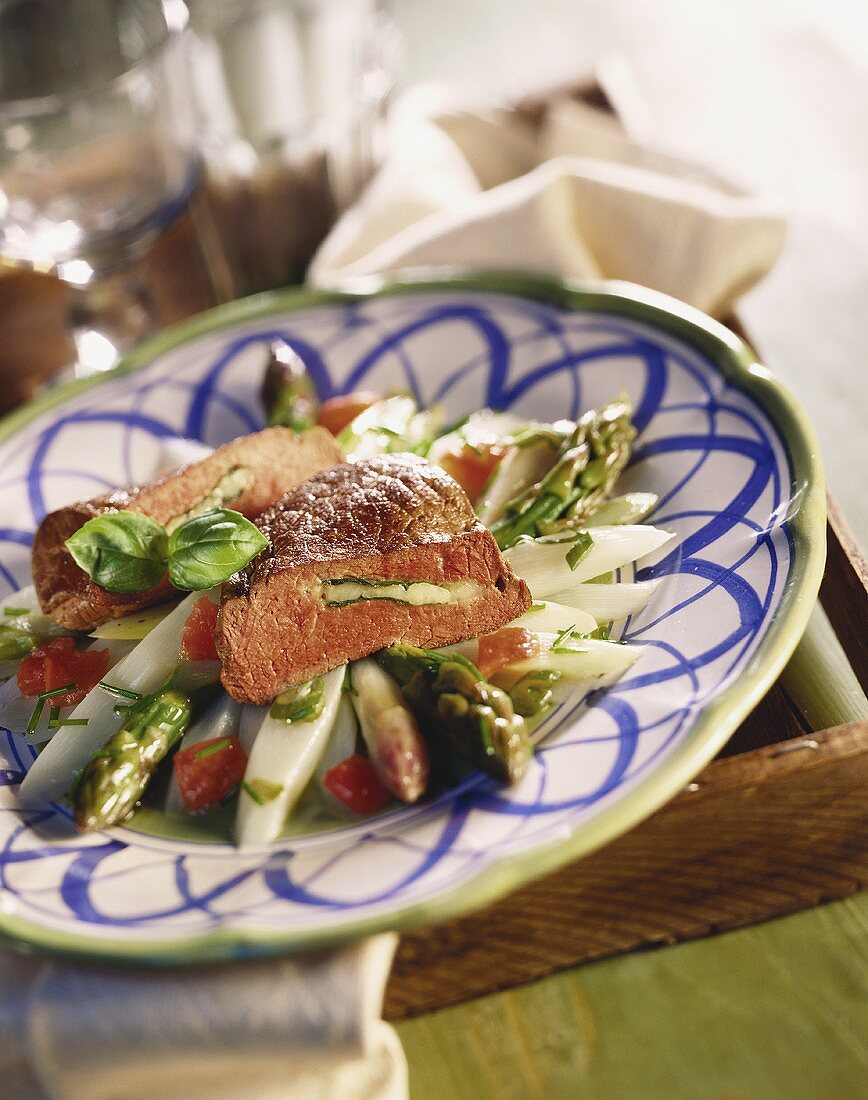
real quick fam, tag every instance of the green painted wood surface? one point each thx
(779, 1010)
(820, 680)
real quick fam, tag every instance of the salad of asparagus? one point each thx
(140, 715)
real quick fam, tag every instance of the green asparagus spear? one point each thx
(450, 694)
(586, 468)
(287, 392)
(115, 778)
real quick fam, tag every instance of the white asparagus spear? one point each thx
(148, 666)
(521, 468)
(397, 749)
(283, 759)
(543, 562)
(609, 603)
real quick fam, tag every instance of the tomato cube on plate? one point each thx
(505, 647)
(472, 467)
(355, 783)
(57, 663)
(197, 641)
(208, 771)
(336, 412)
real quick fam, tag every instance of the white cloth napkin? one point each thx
(572, 196)
(304, 1028)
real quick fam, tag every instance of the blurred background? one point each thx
(239, 149)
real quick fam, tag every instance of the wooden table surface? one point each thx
(779, 1010)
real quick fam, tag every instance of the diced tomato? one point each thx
(57, 663)
(336, 412)
(472, 466)
(209, 770)
(197, 641)
(354, 782)
(505, 647)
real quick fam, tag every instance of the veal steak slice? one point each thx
(343, 536)
(250, 473)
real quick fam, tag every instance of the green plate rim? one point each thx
(713, 724)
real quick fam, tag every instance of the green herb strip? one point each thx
(580, 549)
(35, 715)
(57, 691)
(565, 641)
(41, 699)
(209, 750)
(124, 693)
(261, 791)
(535, 607)
(15, 612)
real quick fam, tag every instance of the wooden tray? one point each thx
(778, 822)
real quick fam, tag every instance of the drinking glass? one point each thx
(293, 95)
(98, 154)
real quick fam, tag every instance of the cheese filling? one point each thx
(230, 487)
(346, 590)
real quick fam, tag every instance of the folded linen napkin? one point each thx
(304, 1028)
(566, 194)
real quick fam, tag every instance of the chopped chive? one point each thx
(43, 695)
(563, 636)
(68, 722)
(14, 612)
(209, 750)
(565, 641)
(124, 693)
(347, 684)
(580, 549)
(261, 790)
(35, 715)
(536, 607)
(53, 715)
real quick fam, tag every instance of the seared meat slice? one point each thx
(361, 556)
(248, 475)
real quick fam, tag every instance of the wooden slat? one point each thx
(844, 592)
(758, 835)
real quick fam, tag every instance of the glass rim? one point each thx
(175, 23)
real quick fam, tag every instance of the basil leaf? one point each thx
(120, 551)
(207, 550)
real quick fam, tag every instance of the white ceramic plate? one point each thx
(730, 454)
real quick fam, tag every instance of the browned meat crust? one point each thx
(393, 518)
(278, 460)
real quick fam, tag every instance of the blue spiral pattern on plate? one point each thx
(725, 486)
